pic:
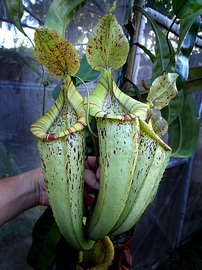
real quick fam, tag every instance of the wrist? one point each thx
(41, 197)
(17, 194)
(29, 193)
(38, 180)
(30, 190)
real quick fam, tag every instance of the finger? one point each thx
(97, 174)
(90, 179)
(91, 163)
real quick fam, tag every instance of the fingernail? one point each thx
(97, 184)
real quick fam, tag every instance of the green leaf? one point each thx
(161, 49)
(56, 90)
(194, 82)
(174, 108)
(108, 46)
(174, 134)
(185, 26)
(86, 72)
(182, 64)
(184, 130)
(136, 90)
(45, 237)
(148, 52)
(15, 10)
(61, 13)
(184, 9)
(162, 90)
(188, 32)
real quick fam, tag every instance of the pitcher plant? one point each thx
(61, 138)
(132, 155)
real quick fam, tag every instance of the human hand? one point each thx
(91, 179)
(92, 173)
(24, 191)
(41, 188)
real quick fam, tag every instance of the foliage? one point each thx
(57, 60)
(45, 238)
(15, 11)
(162, 6)
(187, 8)
(107, 48)
(61, 13)
(164, 60)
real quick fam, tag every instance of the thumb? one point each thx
(90, 179)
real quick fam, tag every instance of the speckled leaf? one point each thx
(107, 47)
(54, 52)
(124, 137)
(159, 125)
(162, 90)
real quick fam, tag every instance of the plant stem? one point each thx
(167, 40)
(94, 136)
(87, 112)
(44, 100)
(44, 92)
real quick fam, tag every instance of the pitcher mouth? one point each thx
(69, 94)
(130, 108)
